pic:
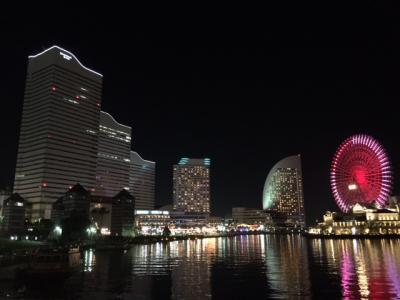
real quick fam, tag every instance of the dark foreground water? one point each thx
(244, 267)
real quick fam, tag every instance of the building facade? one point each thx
(152, 222)
(283, 191)
(59, 129)
(361, 221)
(123, 214)
(191, 186)
(100, 213)
(13, 214)
(250, 216)
(4, 194)
(113, 161)
(74, 203)
(142, 181)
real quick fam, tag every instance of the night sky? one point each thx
(243, 90)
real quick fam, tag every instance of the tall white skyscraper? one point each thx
(59, 129)
(113, 162)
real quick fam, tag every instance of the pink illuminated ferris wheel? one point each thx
(360, 173)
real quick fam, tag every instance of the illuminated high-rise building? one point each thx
(142, 181)
(59, 129)
(191, 189)
(113, 163)
(283, 190)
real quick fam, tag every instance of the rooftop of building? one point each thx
(78, 188)
(124, 194)
(66, 55)
(137, 159)
(15, 198)
(108, 120)
(194, 161)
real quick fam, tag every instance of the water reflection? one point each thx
(89, 260)
(191, 276)
(256, 266)
(286, 257)
(367, 269)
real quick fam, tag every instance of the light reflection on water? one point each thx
(256, 266)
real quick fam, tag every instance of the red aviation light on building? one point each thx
(44, 184)
(53, 89)
(92, 189)
(360, 173)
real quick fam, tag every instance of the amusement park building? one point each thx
(361, 221)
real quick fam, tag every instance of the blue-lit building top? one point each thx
(195, 161)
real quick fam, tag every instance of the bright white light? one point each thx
(105, 231)
(221, 228)
(69, 54)
(352, 187)
(58, 230)
(65, 56)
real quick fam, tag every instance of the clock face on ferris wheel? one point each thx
(360, 173)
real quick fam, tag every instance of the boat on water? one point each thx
(54, 262)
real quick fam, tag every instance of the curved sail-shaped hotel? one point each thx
(283, 190)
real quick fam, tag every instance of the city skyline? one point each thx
(228, 154)
(178, 111)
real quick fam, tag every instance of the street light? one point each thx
(58, 230)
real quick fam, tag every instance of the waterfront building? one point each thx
(123, 214)
(113, 156)
(4, 194)
(250, 216)
(13, 214)
(215, 221)
(283, 191)
(101, 212)
(74, 203)
(152, 222)
(360, 221)
(59, 129)
(142, 181)
(191, 187)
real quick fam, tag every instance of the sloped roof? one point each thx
(124, 194)
(79, 189)
(15, 197)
